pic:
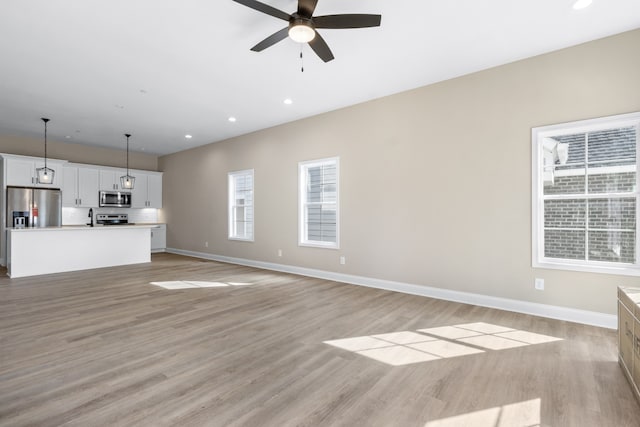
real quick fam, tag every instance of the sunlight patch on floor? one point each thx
(194, 284)
(521, 414)
(406, 347)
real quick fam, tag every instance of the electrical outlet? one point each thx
(279, 252)
(343, 260)
(539, 284)
(206, 244)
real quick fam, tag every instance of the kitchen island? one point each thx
(34, 251)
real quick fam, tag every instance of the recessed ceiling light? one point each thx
(232, 119)
(288, 101)
(188, 136)
(581, 4)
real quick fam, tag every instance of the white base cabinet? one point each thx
(159, 238)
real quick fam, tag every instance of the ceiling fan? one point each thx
(302, 25)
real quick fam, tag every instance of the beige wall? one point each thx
(435, 182)
(77, 153)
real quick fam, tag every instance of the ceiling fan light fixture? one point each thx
(301, 32)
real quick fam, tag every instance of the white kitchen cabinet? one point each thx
(110, 179)
(159, 238)
(81, 187)
(21, 172)
(70, 187)
(147, 192)
(154, 190)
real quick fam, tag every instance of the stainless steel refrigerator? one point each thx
(33, 207)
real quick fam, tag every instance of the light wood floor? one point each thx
(107, 348)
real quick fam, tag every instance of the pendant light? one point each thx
(45, 174)
(127, 181)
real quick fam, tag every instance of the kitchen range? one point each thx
(113, 219)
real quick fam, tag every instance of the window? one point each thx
(241, 205)
(318, 203)
(585, 195)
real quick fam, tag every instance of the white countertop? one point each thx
(83, 227)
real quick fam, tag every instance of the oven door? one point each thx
(115, 199)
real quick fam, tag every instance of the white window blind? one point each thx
(585, 195)
(241, 205)
(319, 203)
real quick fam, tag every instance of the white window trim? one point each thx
(537, 192)
(302, 181)
(230, 204)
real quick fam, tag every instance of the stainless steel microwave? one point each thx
(115, 199)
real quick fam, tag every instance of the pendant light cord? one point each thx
(127, 135)
(45, 143)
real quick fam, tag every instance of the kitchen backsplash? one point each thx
(79, 216)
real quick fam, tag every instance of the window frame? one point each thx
(539, 260)
(303, 167)
(231, 197)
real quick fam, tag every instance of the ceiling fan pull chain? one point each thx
(301, 61)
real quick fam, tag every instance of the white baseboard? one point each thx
(544, 310)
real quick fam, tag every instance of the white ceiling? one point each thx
(160, 69)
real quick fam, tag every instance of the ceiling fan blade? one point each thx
(271, 40)
(265, 8)
(321, 48)
(307, 7)
(354, 20)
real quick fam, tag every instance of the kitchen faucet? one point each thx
(91, 216)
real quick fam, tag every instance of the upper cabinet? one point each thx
(81, 183)
(154, 190)
(81, 186)
(147, 192)
(110, 180)
(21, 172)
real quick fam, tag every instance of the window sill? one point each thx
(240, 239)
(319, 245)
(621, 270)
